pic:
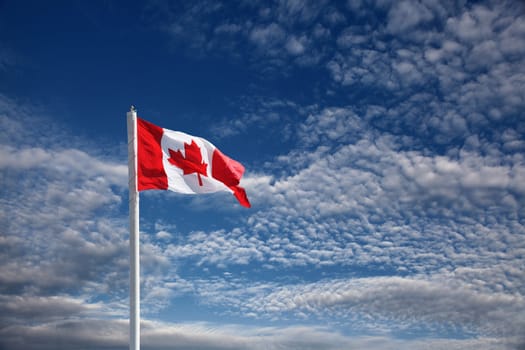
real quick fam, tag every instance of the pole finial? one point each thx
(132, 108)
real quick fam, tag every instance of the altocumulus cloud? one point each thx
(419, 179)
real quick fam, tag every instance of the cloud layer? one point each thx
(389, 210)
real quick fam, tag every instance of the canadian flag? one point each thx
(173, 160)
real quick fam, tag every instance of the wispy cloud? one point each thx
(112, 334)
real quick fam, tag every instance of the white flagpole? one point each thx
(134, 261)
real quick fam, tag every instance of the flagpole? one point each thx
(134, 261)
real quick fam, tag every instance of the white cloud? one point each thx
(269, 36)
(61, 236)
(295, 46)
(290, 11)
(406, 15)
(473, 26)
(228, 29)
(466, 63)
(430, 305)
(159, 335)
(45, 308)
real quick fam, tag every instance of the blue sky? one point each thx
(384, 150)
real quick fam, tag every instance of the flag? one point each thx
(175, 161)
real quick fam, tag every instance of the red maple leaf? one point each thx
(190, 164)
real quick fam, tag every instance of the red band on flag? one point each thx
(229, 172)
(150, 171)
